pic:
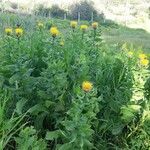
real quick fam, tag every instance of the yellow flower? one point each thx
(142, 56)
(73, 24)
(83, 27)
(19, 31)
(54, 31)
(40, 25)
(130, 54)
(144, 62)
(61, 43)
(8, 31)
(87, 86)
(95, 25)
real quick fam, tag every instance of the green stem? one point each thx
(18, 40)
(94, 34)
(82, 35)
(53, 40)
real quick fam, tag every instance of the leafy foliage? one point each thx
(49, 107)
(28, 140)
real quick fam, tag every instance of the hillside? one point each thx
(132, 13)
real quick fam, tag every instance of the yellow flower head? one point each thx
(19, 31)
(73, 24)
(83, 27)
(40, 25)
(87, 86)
(61, 43)
(130, 54)
(95, 25)
(144, 62)
(142, 56)
(8, 31)
(54, 31)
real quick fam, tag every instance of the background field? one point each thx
(120, 35)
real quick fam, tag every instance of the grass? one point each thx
(139, 38)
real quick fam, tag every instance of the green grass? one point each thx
(137, 37)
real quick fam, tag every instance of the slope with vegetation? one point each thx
(132, 13)
(63, 88)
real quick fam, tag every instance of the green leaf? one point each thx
(117, 129)
(51, 135)
(49, 103)
(37, 109)
(39, 124)
(127, 114)
(20, 105)
(134, 108)
(66, 146)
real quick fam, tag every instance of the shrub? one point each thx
(14, 5)
(86, 9)
(42, 11)
(55, 11)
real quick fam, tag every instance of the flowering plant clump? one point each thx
(73, 24)
(54, 31)
(40, 25)
(8, 31)
(130, 54)
(62, 43)
(95, 25)
(87, 86)
(19, 32)
(142, 56)
(83, 27)
(143, 59)
(144, 62)
(71, 92)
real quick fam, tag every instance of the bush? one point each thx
(55, 11)
(86, 9)
(14, 5)
(42, 11)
